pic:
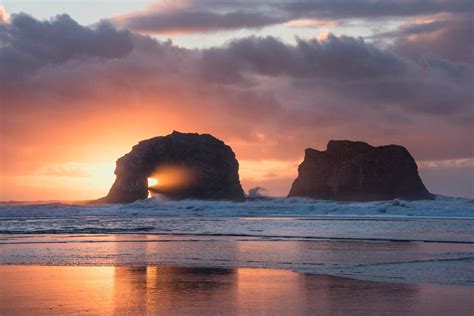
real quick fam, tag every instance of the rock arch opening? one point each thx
(172, 181)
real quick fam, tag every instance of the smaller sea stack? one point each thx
(357, 171)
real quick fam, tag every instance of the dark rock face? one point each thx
(356, 171)
(185, 165)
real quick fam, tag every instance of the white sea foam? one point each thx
(269, 207)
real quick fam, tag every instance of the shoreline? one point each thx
(386, 261)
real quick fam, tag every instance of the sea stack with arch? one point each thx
(183, 165)
(357, 171)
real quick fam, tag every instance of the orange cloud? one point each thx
(4, 17)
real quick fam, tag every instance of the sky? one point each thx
(81, 82)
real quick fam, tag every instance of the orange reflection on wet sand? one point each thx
(171, 291)
(46, 290)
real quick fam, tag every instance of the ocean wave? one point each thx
(147, 232)
(272, 207)
(444, 219)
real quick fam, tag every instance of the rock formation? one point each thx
(183, 165)
(356, 171)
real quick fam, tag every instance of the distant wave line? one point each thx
(266, 237)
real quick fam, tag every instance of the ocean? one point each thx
(414, 242)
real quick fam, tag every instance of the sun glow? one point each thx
(152, 182)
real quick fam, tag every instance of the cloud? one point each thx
(450, 163)
(450, 177)
(336, 58)
(192, 21)
(29, 44)
(412, 28)
(360, 69)
(3, 15)
(196, 16)
(60, 171)
(75, 93)
(448, 37)
(213, 16)
(343, 9)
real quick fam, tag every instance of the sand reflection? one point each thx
(171, 291)
(49, 290)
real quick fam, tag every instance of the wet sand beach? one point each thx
(173, 290)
